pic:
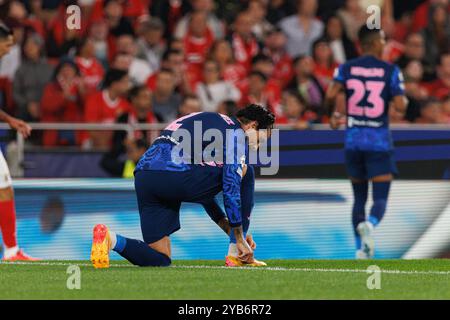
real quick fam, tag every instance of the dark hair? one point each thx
(166, 70)
(62, 62)
(259, 74)
(168, 53)
(366, 35)
(134, 91)
(299, 58)
(254, 112)
(261, 58)
(230, 107)
(5, 32)
(113, 75)
(141, 143)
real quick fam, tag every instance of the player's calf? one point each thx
(137, 252)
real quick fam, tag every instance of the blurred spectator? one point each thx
(174, 61)
(228, 108)
(278, 9)
(430, 113)
(257, 9)
(140, 112)
(274, 48)
(30, 79)
(62, 102)
(169, 11)
(197, 42)
(165, 100)
(272, 91)
(256, 93)
(206, 7)
(242, 40)
(415, 50)
(324, 64)
(307, 85)
(437, 33)
(294, 111)
(229, 70)
(342, 47)
(440, 88)
(106, 105)
(61, 41)
(99, 35)
(91, 70)
(213, 91)
(151, 45)
(302, 29)
(190, 105)
(354, 16)
(122, 165)
(138, 69)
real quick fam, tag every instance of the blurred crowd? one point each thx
(152, 61)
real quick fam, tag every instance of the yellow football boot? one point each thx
(101, 245)
(231, 261)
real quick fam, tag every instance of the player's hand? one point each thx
(335, 121)
(250, 241)
(21, 126)
(245, 252)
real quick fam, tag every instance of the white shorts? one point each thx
(5, 177)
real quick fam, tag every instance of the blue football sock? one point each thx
(360, 191)
(380, 196)
(140, 254)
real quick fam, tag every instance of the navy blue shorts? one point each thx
(160, 194)
(368, 164)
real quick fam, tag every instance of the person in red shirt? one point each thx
(244, 44)
(91, 70)
(272, 89)
(440, 88)
(197, 43)
(229, 70)
(295, 111)
(274, 48)
(256, 93)
(106, 105)
(324, 64)
(62, 102)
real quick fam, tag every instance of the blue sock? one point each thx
(380, 196)
(360, 191)
(139, 253)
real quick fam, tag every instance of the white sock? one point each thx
(10, 252)
(113, 237)
(232, 250)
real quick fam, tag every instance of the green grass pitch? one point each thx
(283, 279)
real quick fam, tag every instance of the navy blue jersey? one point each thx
(370, 84)
(216, 141)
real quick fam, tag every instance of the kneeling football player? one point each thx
(163, 182)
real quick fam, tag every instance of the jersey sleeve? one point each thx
(232, 177)
(397, 85)
(338, 75)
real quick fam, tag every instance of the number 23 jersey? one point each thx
(370, 84)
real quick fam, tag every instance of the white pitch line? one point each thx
(386, 271)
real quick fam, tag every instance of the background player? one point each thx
(371, 86)
(7, 210)
(162, 184)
